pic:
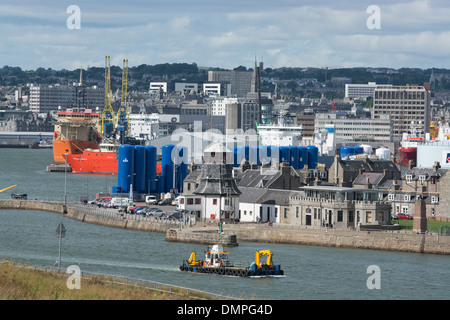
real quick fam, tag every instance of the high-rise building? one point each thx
(241, 81)
(357, 91)
(44, 99)
(406, 105)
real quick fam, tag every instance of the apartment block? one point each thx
(359, 91)
(241, 81)
(44, 99)
(405, 105)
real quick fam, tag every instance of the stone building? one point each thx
(345, 172)
(339, 207)
(431, 184)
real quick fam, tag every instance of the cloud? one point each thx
(226, 34)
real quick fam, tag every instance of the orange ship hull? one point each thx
(70, 147)
(97, 162)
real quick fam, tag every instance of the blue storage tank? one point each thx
(160, 184)
(285, 155)
(140, 184)
(150, 168)
(125, 172)
(303, 157)
(180, 167)
(264, 154)
(167, 167)
(358, 150)
(294, 157)
(313, 155)
(235, 158)
(344, 152)
(243, 152)
(254, 156)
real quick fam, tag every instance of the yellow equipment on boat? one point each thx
(8, 188)
(262, 253)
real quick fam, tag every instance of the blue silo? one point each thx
(358, 150)
(243, 152)
(140, 184)
(253, 156)
(150, 168)
(313, 155)
(264, 154)
(235, 157)
(285, 155)
(303, 157)
(294, 157)
(180, 163)
(125, 171)
(167, 167)
(344, 152)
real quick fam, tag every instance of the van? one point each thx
(119, 202)
(151, 200)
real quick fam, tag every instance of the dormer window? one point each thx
(434, 199)
(391, 197)
(408, 178)
(422, 178)
(406, 197)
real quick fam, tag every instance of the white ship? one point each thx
(283, 134)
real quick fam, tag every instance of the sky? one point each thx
(226, 34)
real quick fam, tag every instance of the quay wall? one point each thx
(393, 240)
(94, 215)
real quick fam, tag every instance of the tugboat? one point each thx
(216, 262)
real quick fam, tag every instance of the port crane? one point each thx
(108, 112)
(8, 188)
(122, 119)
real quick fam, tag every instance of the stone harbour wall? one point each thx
(393, 240)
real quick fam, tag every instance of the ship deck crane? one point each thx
(262, 253)
(108, 112)
(8, 188)
(122, 119)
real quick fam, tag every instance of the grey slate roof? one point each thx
(216, 179)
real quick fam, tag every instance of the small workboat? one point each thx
(217, 262)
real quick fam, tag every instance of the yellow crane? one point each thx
(108, 112)
(262, 253)
(8, 188)
(122, 117)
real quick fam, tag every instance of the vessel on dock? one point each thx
(76, 130)
(101, 160)
(217, 262)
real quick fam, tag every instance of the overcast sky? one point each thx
(282, 33)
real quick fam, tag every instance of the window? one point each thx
(404, 209)
(391, 197)
(190, 201)
(408, 178)
(198, 200)
(350, 216)
(340, 216)
(434, 199)
(182, 201)
(422, 178)
(285, 212)
(368, 217)
(214, 201)
(406, 197)
(296, 211)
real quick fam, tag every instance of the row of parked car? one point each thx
(156, 212)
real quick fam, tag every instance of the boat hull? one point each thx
(61, 148)
(93, 162)
(234, 271)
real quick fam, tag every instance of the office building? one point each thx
(240, 81)
(44, 99)
(359, 91)
(405, 105)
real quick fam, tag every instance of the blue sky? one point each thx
(282, 33)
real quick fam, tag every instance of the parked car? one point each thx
(176, 201)
(164, 202)
(404, 216)
(394, 216)
(151, 200)
(136, 209)
(158, 213)
(174, 215)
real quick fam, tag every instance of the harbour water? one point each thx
(310, 272)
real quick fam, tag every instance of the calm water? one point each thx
(311, 272)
